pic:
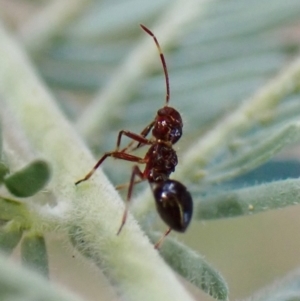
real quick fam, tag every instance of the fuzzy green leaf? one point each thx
(3, 168)
(255, 153)
(34, 253)
(13, 210)
(192, 266)
(10, 235)
(247, 201)
(1, 138)
(29, 180)
(17, 283)
(3, 171)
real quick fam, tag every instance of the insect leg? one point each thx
(114, 154)
(135, 172)
(143, 133)
(158, 244)
(125, 185)
(136, 137)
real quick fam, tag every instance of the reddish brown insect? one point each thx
(173, 202)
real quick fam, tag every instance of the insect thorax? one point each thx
(162, 162)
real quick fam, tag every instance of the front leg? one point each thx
(144, 133)
(114, 154)
(136, 137)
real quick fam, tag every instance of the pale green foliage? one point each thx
(29, 180)
(34, 253)
(193, 267)
(219, 53)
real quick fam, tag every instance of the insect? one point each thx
(173, 202)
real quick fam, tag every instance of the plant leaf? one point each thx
(273, 170)
(10, 235)
(3, 171)
(254, 152)
(247, 201)
(29, 180)
(1, 139)
(192, 266)
(13, 210)
(34, 253)
(3, 168)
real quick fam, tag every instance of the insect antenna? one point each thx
(163, 61)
